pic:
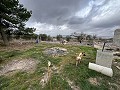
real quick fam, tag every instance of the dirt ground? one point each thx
(18, 45)
(27, 65)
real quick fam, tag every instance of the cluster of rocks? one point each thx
(56, 51)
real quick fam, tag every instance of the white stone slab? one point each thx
(104, 58)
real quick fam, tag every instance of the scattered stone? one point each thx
(109, 49)
(117, 54)
(45, 78)
(72, 85)
(114, 86)
(94, 81)
(115, 62)
(118, 67)
(117, 49)
(56, 51)
(54, 68)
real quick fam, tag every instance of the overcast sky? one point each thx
(100, 17)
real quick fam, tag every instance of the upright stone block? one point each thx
(116, 39)
(104, 58)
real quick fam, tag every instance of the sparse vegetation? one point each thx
(79, 75)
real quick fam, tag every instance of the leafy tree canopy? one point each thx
(12, 17)
(13, 14)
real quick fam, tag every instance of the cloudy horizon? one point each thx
(53, 17)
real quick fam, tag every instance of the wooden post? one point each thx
(103, 46)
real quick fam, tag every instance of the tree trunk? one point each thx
(4, 37)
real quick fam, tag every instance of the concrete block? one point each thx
(104, 58)
(116, 38)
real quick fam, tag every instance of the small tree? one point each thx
(81, 37)
(94, 37)
(68, 38)
(89, 37)
(43, 37)
(59, 37)
(49, 38)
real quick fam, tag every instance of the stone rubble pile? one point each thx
(56, 51)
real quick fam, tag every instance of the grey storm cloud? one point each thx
(76, 20)
(89, 16)
(52, 11)
(107, 14)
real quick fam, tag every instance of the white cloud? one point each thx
(50, 29)
(82, 13)
(108, 13)
(99, 2)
